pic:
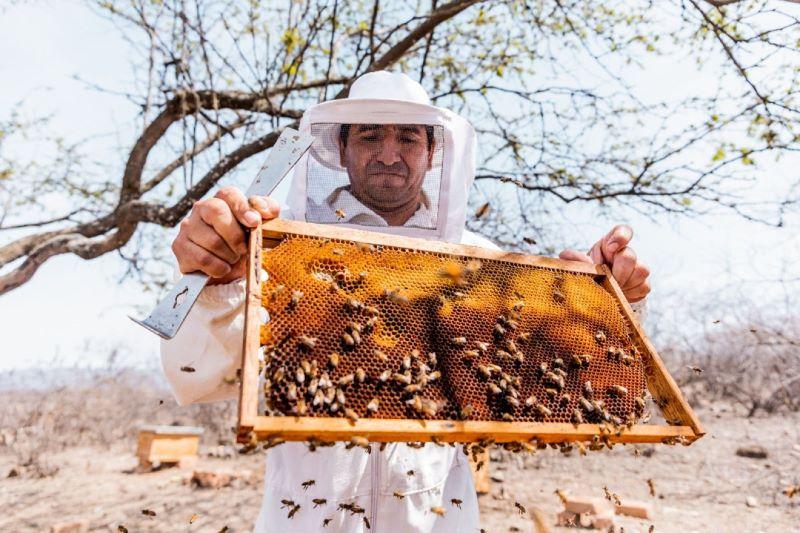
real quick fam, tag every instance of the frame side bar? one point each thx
(248, 393)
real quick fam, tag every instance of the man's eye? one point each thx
(370, 138)
(408, 140)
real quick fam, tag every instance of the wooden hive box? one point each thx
(168, 444)
(261, 419)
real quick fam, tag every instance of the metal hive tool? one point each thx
(525, 347)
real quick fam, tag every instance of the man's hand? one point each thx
(212, 238)
(613, 250)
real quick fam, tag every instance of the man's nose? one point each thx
(388, 152)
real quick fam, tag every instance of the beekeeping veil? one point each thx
(386, 160)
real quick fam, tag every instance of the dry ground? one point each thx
(700, 488)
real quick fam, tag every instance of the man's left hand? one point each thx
(613, 250)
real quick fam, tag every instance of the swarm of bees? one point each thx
(346, 339)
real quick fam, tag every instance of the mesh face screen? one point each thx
(375, 174)
(352, 328)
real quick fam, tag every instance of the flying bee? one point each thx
(187, 369)
(295, 299)
(366, 522)
(438, 510)
(410, 473)
(695, 369)
(148, 512)
(361, 375)
(345, 380)
(382, 357)
(520, 508)
(456, 502)
(372, 406)
(307, 484)
(287, 503)
(399, 495)
(293, 511)
(340, 214)
(319, 501)
(458, 341)
(618, 390)
(384, 376)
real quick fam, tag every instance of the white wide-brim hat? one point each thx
(392, 98)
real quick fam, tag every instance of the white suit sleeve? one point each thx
(210, 343)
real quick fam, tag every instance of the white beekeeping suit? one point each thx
(386, 160)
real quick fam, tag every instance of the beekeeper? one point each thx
(384, 159)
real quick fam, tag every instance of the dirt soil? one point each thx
(705, 487)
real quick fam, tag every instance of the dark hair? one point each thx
(344, 131)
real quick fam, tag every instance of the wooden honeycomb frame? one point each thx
(685, 427)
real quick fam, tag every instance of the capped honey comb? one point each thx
(376, 331)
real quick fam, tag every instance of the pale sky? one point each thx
(76, 310)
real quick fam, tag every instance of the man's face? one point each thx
(386, 163)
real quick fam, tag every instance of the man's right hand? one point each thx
(212, 238)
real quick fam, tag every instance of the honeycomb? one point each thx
(361, 330)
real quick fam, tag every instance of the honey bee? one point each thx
(432, 358)
(482, 346)
(458, 341)
(340, 214)
(361, 375)
(502, 354)
(366, 522)
(433, 376)
(193, 518)
(587, 389)
(499, 330)
(600, 336)
(470, 355)
(577, 417)
(348, 340)
(384, 376)
(307, 484)
(429, 407)
(372, 406)
(351, 415)
(410, 473)
(466, 411)
(295, 299)
(478, 466)
(415, 403)
(520, 508)
(148, 512)
(473, 265)
(340, 396)
(456, 502)
(319, 501)
(187, 369)
(307, 342)
(313, 386)
(381, 356)
(438, 510)
(565, 398)
(276, 292)
(494, 389)
(122, 529)
(300, 375)
(558, 296)
(355, 335)
(507, 417)
(337, 251)
(543, 410)
(293, 511)
(651, 529)
(640, 403)
(561, 496)
(406, 362)
(551, 392)
(301, 408)
(345, 380)
(291, 391)
(359, 441)
(330, 395)
(413, 388)
(558, 362)
(530, 401)
(485, 371)
(404, 379)
(586, 405)
(416, 445)
(618, 390)
(651, 487)
(399, 495)
(695, 369)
